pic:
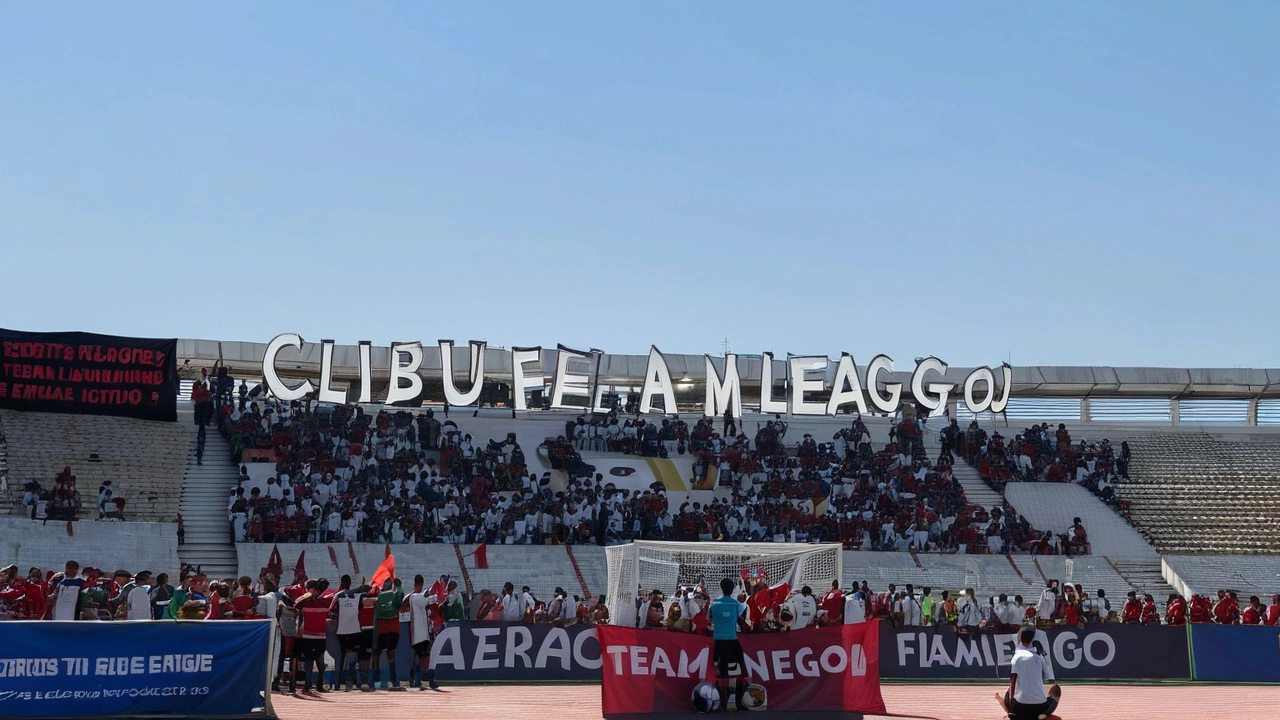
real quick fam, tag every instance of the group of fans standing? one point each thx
(365, 620)
(779, 608)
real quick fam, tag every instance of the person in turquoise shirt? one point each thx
(724, 613)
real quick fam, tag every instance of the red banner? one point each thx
(819, 669)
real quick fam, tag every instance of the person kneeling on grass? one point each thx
(1026, 698)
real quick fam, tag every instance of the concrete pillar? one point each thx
(1174, 414)
(1086, 414)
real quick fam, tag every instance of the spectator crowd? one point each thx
(395, 476)
(1041, 453)
(88, 593)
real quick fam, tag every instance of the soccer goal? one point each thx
(647, 565)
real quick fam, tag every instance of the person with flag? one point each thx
(387, 616)
(452, 609)
(420, 603)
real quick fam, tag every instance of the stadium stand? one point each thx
(142, 460)
(1206, 492)
(1205, 574)
(1053, 506)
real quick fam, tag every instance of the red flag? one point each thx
(275, 564)
(481, 554)
(333, 556)
(355, 564)
(385, 571)
(70, 532)
(300, 570)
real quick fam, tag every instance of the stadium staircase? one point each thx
(1052, 506)
(976, 490)
(203, 503)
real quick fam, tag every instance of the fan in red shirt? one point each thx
(1175, 611)
(1227, 609)
(831, 606)
(1200, 610)
(1150, 613)
(764, 603)
(25, 599)
(1272, 615)
(1132, 611)
(1252, 614)
(244, 603)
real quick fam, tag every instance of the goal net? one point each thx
(644, 565)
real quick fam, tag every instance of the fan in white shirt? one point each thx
(806, 609)
(139, 598)
(512, 605)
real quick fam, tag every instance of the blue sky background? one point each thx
(1083, 183)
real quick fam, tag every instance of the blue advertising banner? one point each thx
(1236, 653)
(79, 669)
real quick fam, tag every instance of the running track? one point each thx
(944, 702)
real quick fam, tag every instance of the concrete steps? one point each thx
(203, 503)
(1145, 576)
(976, 490)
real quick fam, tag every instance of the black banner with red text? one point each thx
(87, 373)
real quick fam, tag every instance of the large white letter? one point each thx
(800, 384)
(451, 394)
(274, 383)
(883, 404)
(366, 372)
(657, 381)
(519, 383)
(767, 403)
(568, 383)
(723, 393)
(998, 404)
(846, 373)
(409, 372)
(979, 375)
(328, 395)
(941, 390)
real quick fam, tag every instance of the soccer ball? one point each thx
(755, 697)
(706, 698)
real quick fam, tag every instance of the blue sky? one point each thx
(1083, 183)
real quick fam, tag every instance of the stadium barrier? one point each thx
(1236, 653)
(1108, 651)
(135, 668)
(515, 652)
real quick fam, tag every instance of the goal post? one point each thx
(646, 565)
